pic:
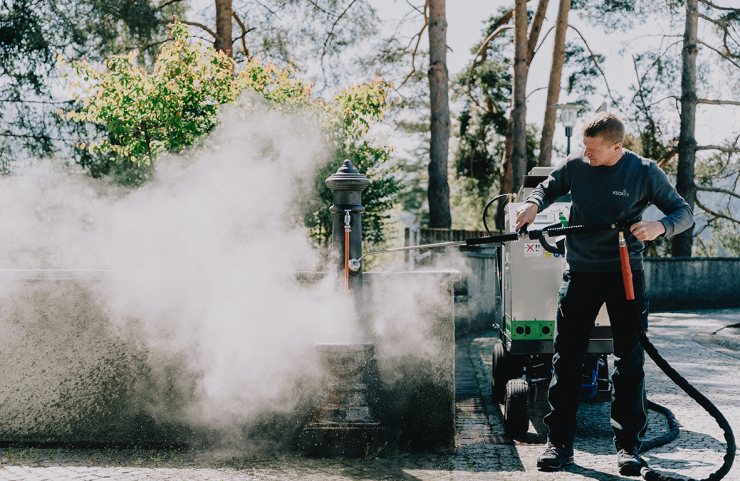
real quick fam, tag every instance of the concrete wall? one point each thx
(67, 376)
(692, 283)
(71, 375)
(475, 310)
(411, 321)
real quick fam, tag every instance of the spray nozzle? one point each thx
(354, 265)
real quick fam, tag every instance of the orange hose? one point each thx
(346, 264)
(624, 257)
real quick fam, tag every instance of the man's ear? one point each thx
(617, 146)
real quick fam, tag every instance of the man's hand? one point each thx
(646, 230)
(525, 214)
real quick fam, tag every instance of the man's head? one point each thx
(603, 135)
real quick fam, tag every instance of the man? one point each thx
(607, 184)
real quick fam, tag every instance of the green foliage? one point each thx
(347, 119)
(144, 114)
(582, 79)
(725, 240)
(149, 113)
(32, 32)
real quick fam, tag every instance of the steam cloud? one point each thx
(199, 265)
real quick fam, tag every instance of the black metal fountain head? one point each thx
(347, 184)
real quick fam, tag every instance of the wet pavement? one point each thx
(700, 345)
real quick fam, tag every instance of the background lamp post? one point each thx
(568, 115)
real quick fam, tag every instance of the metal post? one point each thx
(568, 133)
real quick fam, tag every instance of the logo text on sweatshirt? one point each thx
(624, 193)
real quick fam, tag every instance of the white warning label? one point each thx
(533, 249)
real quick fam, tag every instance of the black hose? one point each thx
(485, 212)
(674, 376)
(673, 429)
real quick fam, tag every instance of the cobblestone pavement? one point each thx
(483, 452)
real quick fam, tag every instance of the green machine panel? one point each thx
(529, 330)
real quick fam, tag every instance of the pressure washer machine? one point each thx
(530, 276)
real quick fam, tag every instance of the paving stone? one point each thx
(483, 450)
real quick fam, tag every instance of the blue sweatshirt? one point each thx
(607, 194)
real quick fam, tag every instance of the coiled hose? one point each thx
(674, 376)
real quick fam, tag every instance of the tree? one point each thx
(553, 88)
(149, 113)
(518, 159)
(439, 190)
(176, 105)
(299, 32)
(223, 40)
(514, 163)
(484, 122)
(33, 32)
(687, 145)
(686, 141)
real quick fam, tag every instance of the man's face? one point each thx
(601, 152)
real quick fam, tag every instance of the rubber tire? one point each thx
(516, 408)
(501, 372)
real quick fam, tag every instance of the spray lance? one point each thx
(559, 232)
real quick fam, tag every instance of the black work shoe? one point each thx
(554, 457)
(629, 462)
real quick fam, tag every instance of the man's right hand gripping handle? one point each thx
(525, 215)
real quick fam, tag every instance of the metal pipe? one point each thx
(354, 264)
(347, 230)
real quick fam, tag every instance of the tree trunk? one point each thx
(553, 88)
(223, 27)
(686, 140)
(519, 97)
(535, 28)
(439, 190)
(505, 185)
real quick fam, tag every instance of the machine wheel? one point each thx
(501, 369)
(516, 408)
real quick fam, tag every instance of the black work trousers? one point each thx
(580, 298)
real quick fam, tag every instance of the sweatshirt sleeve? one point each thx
(678, 215)
(551, 189)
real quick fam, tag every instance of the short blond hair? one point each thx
(605, 125)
